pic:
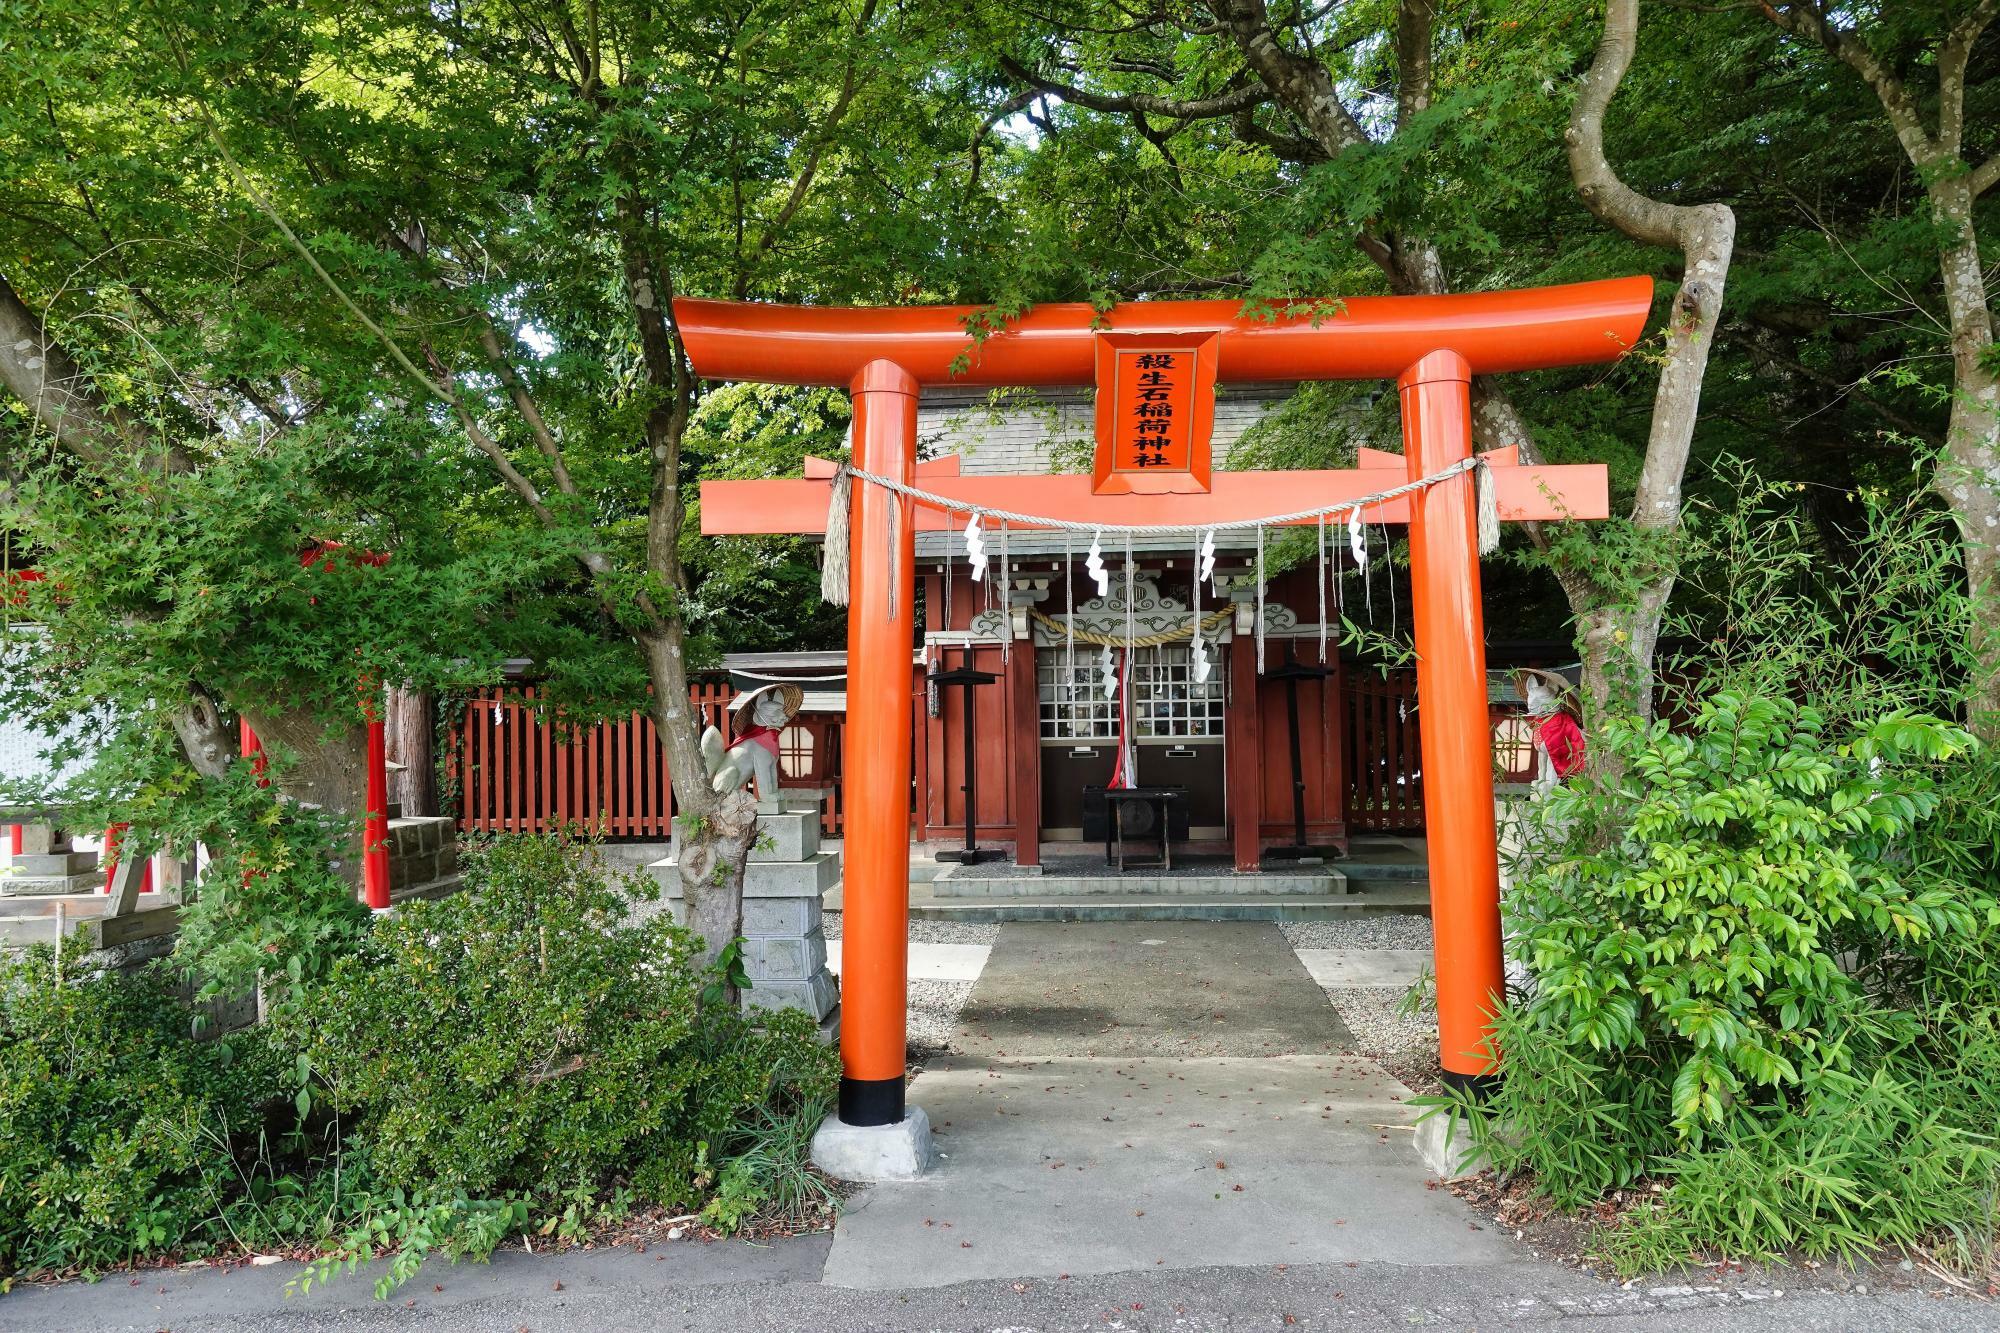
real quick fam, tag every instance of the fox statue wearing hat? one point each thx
(1559, 743)
(752, 755)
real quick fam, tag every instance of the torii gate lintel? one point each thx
(1432, 346)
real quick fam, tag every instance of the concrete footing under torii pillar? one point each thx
(876, 1154)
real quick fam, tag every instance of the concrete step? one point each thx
(1394, 871)
(1235, 907)
(1320, 882)
(926, 905)
(69, 886)
(32, 920)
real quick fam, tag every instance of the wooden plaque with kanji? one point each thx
(1155, 412)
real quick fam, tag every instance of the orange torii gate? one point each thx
(1146, 474)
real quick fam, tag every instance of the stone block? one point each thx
(41, 886)
(769, 879)
(54, 864)
(775, 916)
(792, 879)
(1445, 1143)
(902, 1151)
(792, 837)
(817, 995)
(801, 799)
(784, 957)
(44, 840)
(412, 868)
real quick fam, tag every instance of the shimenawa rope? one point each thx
(834, 558)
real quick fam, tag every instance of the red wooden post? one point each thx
(920, 759)
(253, 750)
(880, 630)
(14, 840)
(1242, 737)
(375, 828)
(1450, 630)
(113, 836)
(1024, 746)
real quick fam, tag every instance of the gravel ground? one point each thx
(932, 932)
(1364, 930)
(934, 1007)
(1370, 1014)
(1406, 1046)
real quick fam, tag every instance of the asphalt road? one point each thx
(734, 1287)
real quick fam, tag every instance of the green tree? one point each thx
(1918, 61)
(444, 243)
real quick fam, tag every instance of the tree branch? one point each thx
(270, 210)
(1704, 234)
(1808, 20)
(524, 402)
(850, 84)
(1302, 85)
(1414, 21)
(1286, 147)
(1146, 104)
(1985, 175)
(41, 373)
(999, 113)
(1953, 57)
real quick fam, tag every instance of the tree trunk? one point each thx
(1968, 476)
(1619, 637)
(716, 830)
(325, 770)
(409, 733)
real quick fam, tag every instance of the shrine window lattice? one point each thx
(1166, 702)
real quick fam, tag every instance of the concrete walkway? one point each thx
(1147, 1096)
(1168, 988)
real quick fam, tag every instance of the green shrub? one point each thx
(116, 1126)
(529, 1037)
(1762, 972)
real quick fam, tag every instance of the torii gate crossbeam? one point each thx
(1432, 345)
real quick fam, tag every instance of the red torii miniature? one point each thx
(1433, 345)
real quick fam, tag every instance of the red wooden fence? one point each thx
(520, 773)
(1385, 792)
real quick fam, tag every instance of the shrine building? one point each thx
(1043, 737)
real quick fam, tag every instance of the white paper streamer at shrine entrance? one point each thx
(975, 549)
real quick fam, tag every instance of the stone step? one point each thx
(1224, 907)
(1401, 871)
(51, 865)
(32, 920)
(1302, 883)
(38, 886)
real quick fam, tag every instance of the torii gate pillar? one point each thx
(881, 626)
(1450, 630)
